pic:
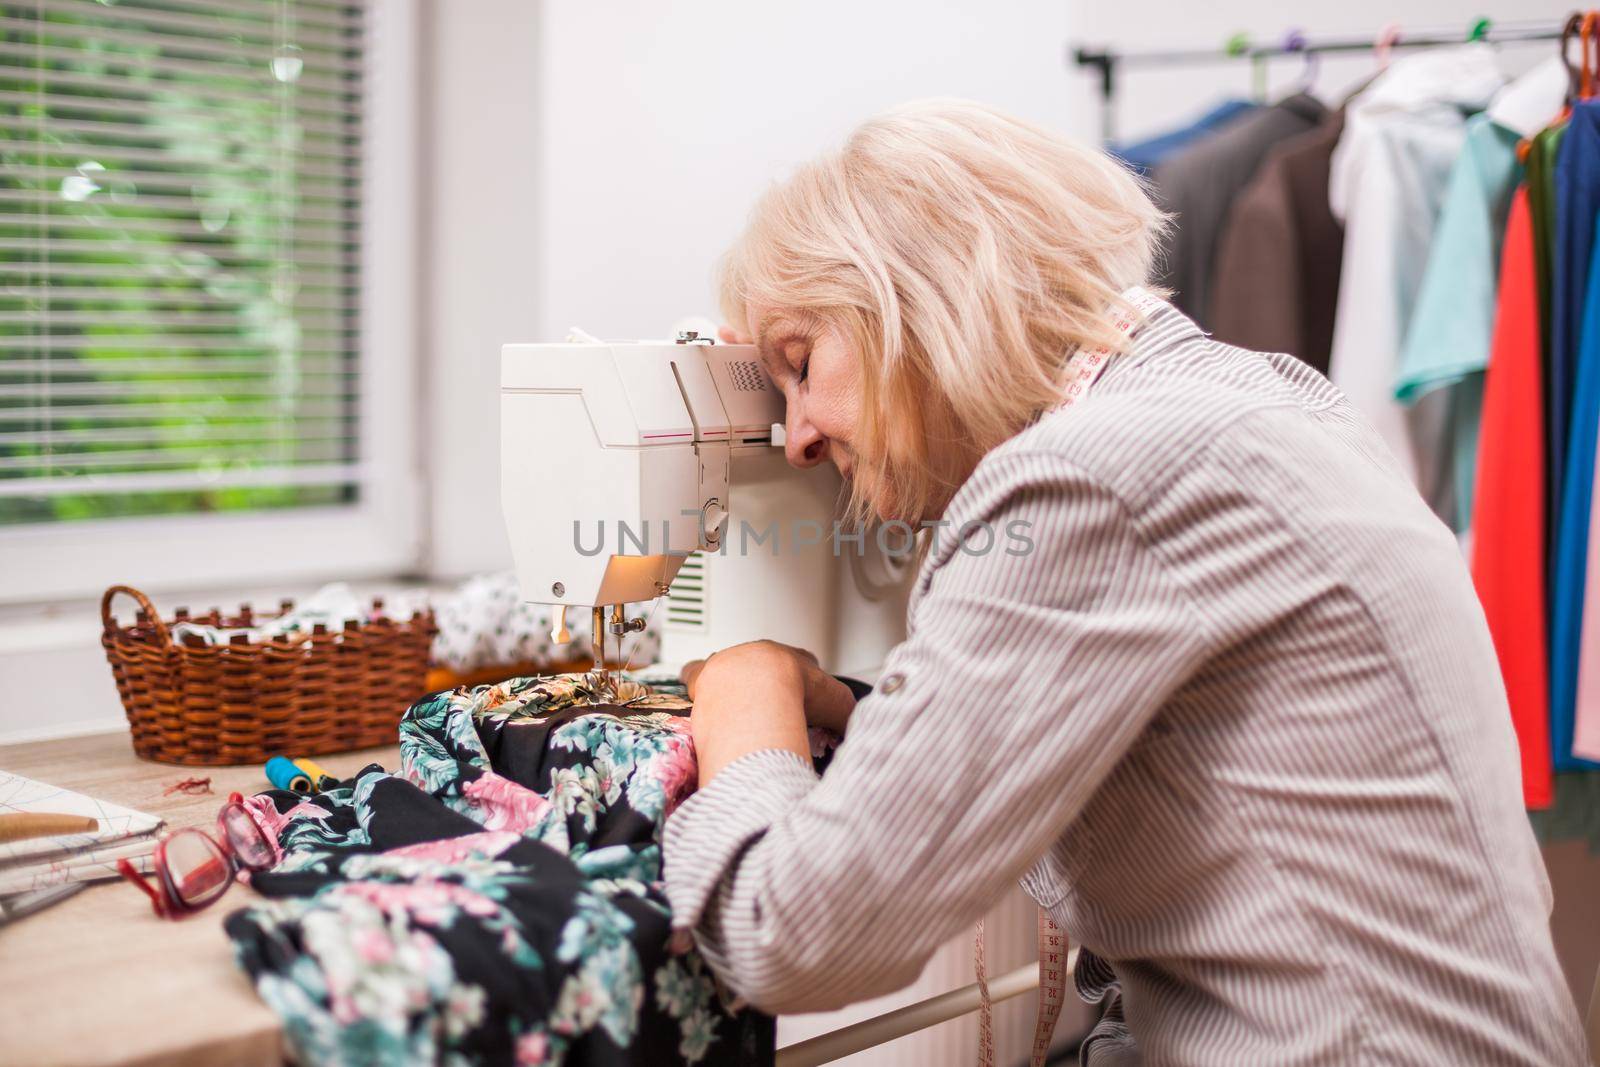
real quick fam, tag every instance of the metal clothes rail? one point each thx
(1110, 62)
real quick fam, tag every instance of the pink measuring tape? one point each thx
(1086, 364)
(1083, 369)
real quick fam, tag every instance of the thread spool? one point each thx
(321, 780)
(283, 774)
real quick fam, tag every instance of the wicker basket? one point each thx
(301, 695)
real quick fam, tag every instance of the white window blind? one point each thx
(180, 211)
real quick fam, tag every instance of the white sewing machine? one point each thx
(637, 470)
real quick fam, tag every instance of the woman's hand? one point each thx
(828, 701)
(760, 695)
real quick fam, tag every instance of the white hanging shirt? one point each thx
(1386, 181)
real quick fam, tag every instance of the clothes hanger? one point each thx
(1580, 78)
(1576, 78)
(1239, 45)
(1568, 31)
(1587, 45)
(1295, 41)
(1383, 47)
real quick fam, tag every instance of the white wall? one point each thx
(663, 122)
(481, 255)
(590, 167)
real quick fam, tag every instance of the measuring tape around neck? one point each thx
(1085, 365)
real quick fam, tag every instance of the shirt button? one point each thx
(891, 682)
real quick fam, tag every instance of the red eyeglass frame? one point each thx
(172, 901)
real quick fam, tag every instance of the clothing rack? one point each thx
(1108, 62)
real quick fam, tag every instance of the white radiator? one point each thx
(1012, 939)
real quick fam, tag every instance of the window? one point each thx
(194, 290)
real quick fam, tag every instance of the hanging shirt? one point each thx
(1447, 342)
(1277, 271)
(1569, 617)
(1144, 155)
(1577, 208)
(1576, 180)
(1541, 205)
(1539, 166)
(1585, 732)
(1387, 180)
(1508, 506)
(1198, 185)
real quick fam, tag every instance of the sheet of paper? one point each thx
(91, 865)
(117, 823)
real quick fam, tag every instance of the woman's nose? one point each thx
(804, 444)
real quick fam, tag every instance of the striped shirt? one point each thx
(1235, 721)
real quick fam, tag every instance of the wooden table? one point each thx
(98, 978)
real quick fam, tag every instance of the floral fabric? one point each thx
(498, 899)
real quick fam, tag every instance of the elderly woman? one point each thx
(1231, 713)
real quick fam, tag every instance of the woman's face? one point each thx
(820, 376)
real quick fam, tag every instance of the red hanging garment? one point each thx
(1508, 517)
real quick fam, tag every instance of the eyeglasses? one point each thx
(193, 869)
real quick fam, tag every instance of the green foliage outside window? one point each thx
(178, 274)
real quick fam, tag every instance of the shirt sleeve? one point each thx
(1452, 321)
(1026, 676)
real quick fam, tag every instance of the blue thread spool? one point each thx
(283, 774)
(321, 779)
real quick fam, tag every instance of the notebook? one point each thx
(117, 823)
(91, 865)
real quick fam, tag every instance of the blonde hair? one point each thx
(963, 254)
